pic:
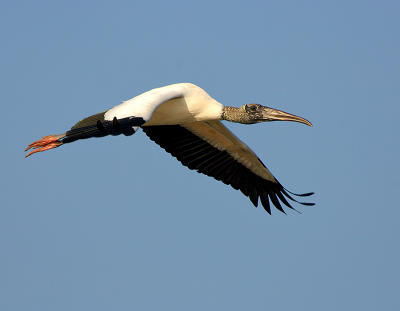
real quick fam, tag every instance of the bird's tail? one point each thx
(93, 126)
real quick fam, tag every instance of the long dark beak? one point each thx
(272, 114)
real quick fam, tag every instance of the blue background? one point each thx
(118, 224)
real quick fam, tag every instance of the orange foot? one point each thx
(46, 143)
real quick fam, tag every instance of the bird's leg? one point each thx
(45, 143)
(87, 128)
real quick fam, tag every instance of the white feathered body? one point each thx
(173, 104)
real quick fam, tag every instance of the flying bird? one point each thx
(186, 121)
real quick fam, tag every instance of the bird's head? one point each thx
(255, 113)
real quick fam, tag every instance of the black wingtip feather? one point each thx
(307, 203)
(285, 192)
(265, 202)
(254, 197)
(299, 194)
(275, 201)
(283, 199)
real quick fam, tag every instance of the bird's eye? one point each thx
(252, 107)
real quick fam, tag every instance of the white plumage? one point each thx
(174, 104)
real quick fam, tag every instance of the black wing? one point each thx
(199, 155)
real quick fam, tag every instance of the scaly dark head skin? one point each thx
(255, 113)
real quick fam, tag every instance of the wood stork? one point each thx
(184, 120)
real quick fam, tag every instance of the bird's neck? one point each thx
(234, 114)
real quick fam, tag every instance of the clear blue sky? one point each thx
(118, 224)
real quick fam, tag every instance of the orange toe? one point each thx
(45, 143)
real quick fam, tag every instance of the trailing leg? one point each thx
(93, 126)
